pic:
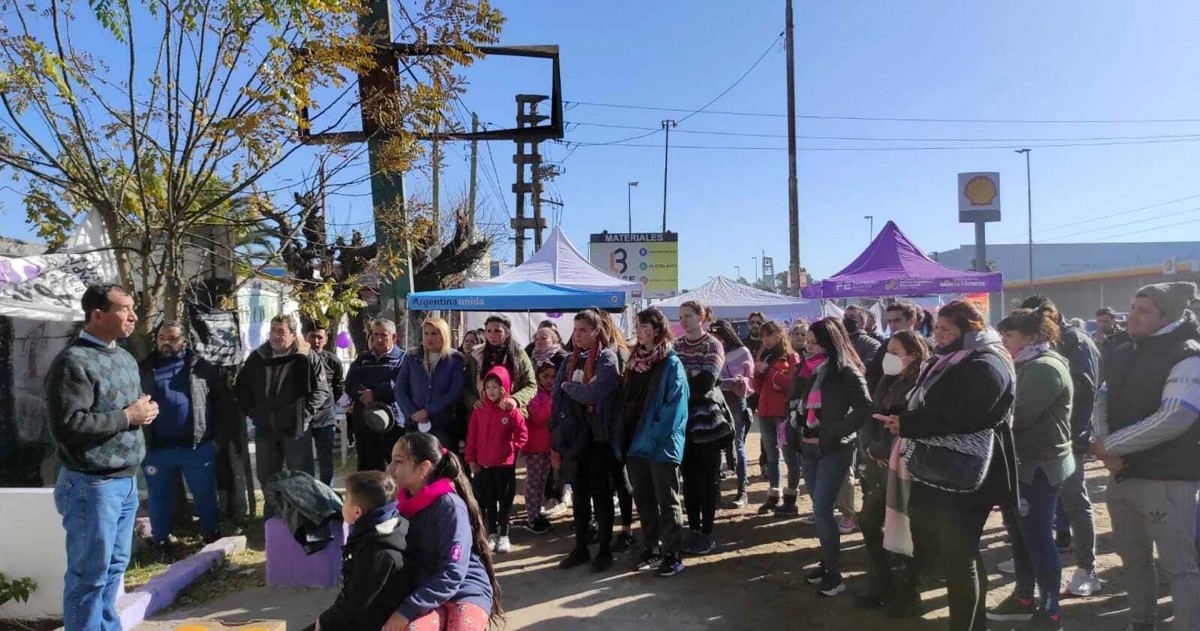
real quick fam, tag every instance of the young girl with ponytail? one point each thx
(456, 589)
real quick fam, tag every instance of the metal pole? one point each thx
(667, 125)
(793, 193)
(870, 227)
(629, 201)
(738, 268)
(756, 269)
(980, 247)
(1029, 207)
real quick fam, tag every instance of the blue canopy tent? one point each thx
(525, 295)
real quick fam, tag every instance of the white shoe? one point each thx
(1007, 567)
(504, 546)
(567, 498)
(1084, 583)
(493, 542)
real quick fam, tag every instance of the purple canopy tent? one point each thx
(893, 266)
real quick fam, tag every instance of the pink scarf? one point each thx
(813, 403)
(409, 506)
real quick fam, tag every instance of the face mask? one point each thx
(892, 364)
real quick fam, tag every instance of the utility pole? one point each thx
(1029, 207)
(870, 227)
(629, 203)
(528, 155)
(667, 125)
(474, 182)
(793, 193)
(436, 159)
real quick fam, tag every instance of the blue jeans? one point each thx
(98, 514)
(161, 467)
(824, 474)
(741, 429)
(1031, 532)
(768, 431)
(323, 437)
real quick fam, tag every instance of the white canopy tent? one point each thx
(732, 300)
(558, 262)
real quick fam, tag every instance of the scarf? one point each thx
(815, 366)
(410, 505)
(1030, 353)
(497, 356)
(644, 359)
(589, 362)
(897, 528)
(986, 341)
(542, 357)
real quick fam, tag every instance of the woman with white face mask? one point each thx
(906, 352)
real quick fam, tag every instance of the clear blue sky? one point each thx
(1076, 60)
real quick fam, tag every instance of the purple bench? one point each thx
(289, 566)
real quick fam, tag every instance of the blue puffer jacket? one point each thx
(437, 394)
(660, 432)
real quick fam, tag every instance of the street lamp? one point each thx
(1029, 207)
(871, 227)
(629, 202)
(739, 272)
(757, 269)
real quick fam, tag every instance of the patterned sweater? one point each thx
(88, 388)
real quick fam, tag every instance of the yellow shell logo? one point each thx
(980, 190)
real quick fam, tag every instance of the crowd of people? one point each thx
(913, 440)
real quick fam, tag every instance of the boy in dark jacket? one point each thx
(375, 580)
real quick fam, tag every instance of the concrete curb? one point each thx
(162, 590)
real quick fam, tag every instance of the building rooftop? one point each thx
(17, 247)
(1067, 259)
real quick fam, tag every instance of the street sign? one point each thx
(978, 197)
(650, 258)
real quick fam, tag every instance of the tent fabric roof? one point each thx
(523, 295)
(559, 263)
(731, 299)
(894, 266)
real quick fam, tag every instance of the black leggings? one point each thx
(701, 484)
(624, 494)
(952, 524)
(495, 488)
(593, 484)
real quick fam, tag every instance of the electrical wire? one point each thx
(894, 119)
(879, 139)
(919, 148)
(1128, 223)
(1122, 213)
(738, 81)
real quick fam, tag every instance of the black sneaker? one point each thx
(1013, 609)
(603, 562)
(649, 560)
(1064, 542)
(769, 506)
(577, 558)
(875, 597)
(831, 585)
(1042, 621)
(670, 566)
(702, 544)
(539, 526)
(815, 575)
(625, 542)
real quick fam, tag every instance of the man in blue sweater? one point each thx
(370, 380)
(185, 387)
(96, 414)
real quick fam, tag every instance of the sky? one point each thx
(1013, 74)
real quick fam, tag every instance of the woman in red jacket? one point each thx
(772, 381)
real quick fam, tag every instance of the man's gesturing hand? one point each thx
(142, 412)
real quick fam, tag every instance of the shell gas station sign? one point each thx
(978, 197)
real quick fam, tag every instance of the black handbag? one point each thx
(957, 463)
(710, 420)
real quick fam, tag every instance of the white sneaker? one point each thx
(1084, 583)
(1007, 567)
(504, 546)
(493, 542)
(567, 501)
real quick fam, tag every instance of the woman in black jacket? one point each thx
(905, 352)
(965, 392)
(832, 404)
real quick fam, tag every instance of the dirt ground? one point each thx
(753, 581)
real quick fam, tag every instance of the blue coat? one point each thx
(661, 430)
(377, 374)
(438, 394)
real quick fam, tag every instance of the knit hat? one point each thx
(1170, 298)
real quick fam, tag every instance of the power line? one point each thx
(894, 119)
(919, 148)
(1125, 234)
(1122, 213)
(882, 139)
(733, 85)
(1127, 223)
